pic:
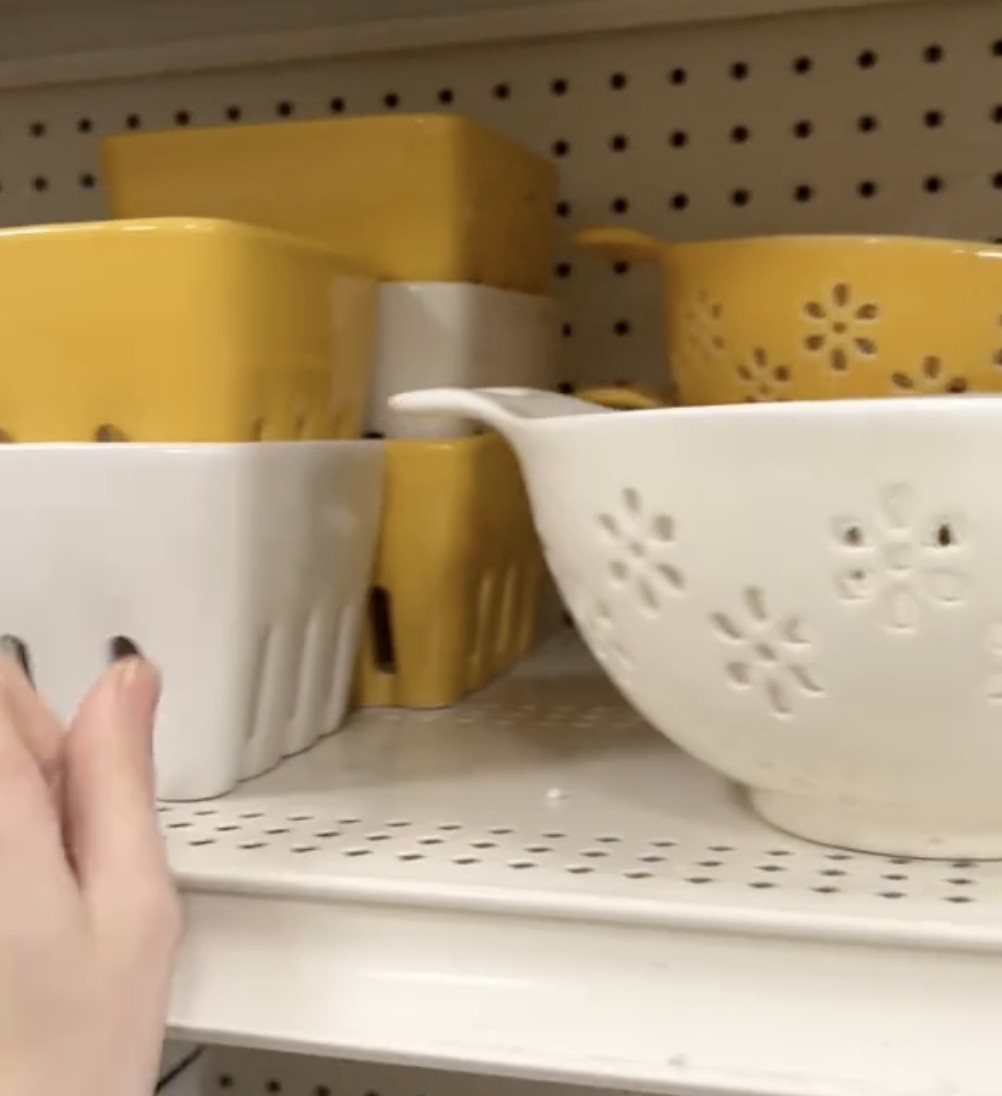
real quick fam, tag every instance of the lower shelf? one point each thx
(537, 884)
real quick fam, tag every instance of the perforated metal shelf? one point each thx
(538, 883)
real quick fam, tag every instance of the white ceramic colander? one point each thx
(808, 597)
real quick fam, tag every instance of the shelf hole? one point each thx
(122, 647)
(17, 651)
(381, 622)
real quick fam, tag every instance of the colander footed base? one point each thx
(887, 831)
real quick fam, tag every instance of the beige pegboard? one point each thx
(259, 1073)
(885, 119)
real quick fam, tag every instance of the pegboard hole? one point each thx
(740, 197)
(620, 206)
(933, 119)
(933, 54)
(740, 70)
(803, 65)
(619, 142)
(559, 86)
(803, 129)
(867, 123)
(679, 138)
(133, 121)
(560, 149)
(502, 91)
(446, 96)
(680, 202)
(391, 100)
(85, 125)
(740, 134)
(867, 188)
(285, 109)
(932, 184)
(234, 114)
(37, 129)
(107, 433)
(803, 193)
(678, 77)
(182, 118)
(867, 59)
(618, 81)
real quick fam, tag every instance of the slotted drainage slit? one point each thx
(381, 618)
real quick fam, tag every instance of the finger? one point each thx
(110, 810)
(32, 857)
(37, 726)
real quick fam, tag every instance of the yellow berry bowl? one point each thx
(823, 317)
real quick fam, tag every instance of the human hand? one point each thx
(89, 917)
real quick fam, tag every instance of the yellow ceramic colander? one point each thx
(816, 317)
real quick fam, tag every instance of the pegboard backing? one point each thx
(866, 120)
(259, 1073)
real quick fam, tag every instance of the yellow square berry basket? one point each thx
(179, 330)
(413, 197)
(823, 317)
(457, 577)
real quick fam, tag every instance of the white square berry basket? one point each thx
(240, 570)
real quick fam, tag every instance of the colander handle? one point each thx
(622, 244)
(505, 409)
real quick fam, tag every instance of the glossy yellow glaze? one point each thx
(414, 197)
(806, 318)
(178, 330)
(458, 574)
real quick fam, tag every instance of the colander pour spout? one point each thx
(510, 411)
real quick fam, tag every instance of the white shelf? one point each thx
(536, 884)
(49, 42)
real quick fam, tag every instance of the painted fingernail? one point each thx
(138, 684)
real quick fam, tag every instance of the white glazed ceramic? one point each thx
(433, 334)
(241, 570)
(808, 597)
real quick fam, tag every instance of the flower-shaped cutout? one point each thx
(931, 378)
(842, 327)
(767, 653)
(701, 339)
(902, 559)
(643, 546)
(762, 379)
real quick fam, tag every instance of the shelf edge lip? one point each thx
(611, 911)
(558, 19)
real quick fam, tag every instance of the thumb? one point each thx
(111, 826)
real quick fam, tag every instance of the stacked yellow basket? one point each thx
(412, 199)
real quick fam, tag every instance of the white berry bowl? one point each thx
(805, 596)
